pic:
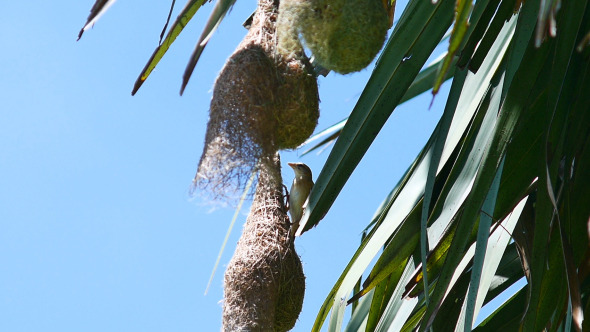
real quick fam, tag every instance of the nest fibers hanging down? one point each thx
(343, 35)
(262, 102)
(264, 281)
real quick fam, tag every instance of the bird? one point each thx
(300, 189)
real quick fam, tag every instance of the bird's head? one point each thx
(301, 169)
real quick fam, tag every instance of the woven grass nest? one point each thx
(262, 102)
(264, 281)
(343, 35)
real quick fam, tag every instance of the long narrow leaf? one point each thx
(398, 308)
(98, 9)
(359, 317)
(441, 139)
(390, 215)
(462, 11)
(507, 317)
(219, 11)
(509, 270)
(498, 242)
(565, 45)
(381, 95)
(479, 28)
(503, 14)
(507, 120)
(442, 230)
(187, 13)
(423, 82)
(461, 179)
(460, 122)
(382, 297)
(485, 221)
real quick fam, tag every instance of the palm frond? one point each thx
(504, 160)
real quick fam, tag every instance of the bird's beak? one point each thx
(292, 165)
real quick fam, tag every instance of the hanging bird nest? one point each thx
(264, 281)
(343, 35)
(262, 102)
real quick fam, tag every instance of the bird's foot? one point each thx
(286, 199)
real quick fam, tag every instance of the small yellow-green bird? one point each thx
(300, 189)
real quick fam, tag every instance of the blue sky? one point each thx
(97, 230)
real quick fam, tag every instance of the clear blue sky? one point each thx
(97, 229)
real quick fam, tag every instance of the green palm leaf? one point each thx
(187, 13)
(492, 181)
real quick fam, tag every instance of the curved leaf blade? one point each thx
(382, 94)
(187, 13)
(97, 10)
(219, 11)
(423, 82)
